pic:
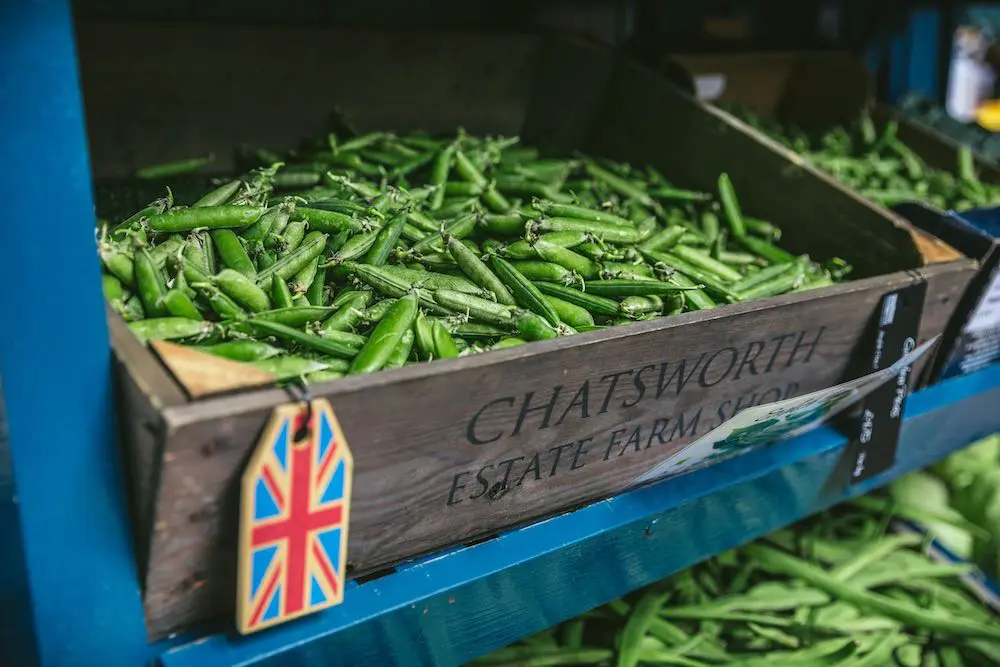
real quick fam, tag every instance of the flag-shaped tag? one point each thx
(295, 502)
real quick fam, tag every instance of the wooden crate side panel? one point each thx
(449, 453)
(692, 143)
(143, 391)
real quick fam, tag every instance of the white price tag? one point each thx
(987, 313)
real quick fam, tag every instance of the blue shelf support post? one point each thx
(55, 364)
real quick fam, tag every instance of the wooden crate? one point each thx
(815, 91)
(454, 450)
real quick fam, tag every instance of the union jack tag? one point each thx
(295, 503)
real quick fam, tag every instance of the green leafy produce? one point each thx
(835, 589)
(880, 166)
(317, 256)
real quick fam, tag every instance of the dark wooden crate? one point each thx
(433, 443)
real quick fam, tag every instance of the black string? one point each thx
(300, 392)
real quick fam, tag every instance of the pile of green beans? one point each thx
(835, 590)
(351, 256)
(880, 166)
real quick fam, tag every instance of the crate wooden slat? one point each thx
(434, 443)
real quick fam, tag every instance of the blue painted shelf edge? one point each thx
(450, 607)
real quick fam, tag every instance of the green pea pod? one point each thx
(444, 344)
(287, 266)
(169, 248)
(307, 340)
(329, 221)
(377, 311)
(391, 285)
(695, 298)
(345, 337)
(523, 249)
(354, 247)
(557, 210)
(765, 249)
(349, 295)
(241, 350)
(423, 332)
(625, 288)
(280, 293)
(242, 290)
(179, 304)
(316, 293)
(475, 307)
(786, 282)
(478, 331)
(349, 314)
(634, 306)
(605, 232)
(305, 277)
(285, 368)
(532, 327)
(620, 185)
(232, 252)
(467, 170)
(170, 328)
(266, 259)
(112, 288)
(326, 375)
(506, 224)
(385, 241)
(150, 284)
(295, 316)
(524, 292)
(119, 264)
(459, 229)
(547, 271)
(219, 196)
(292, 237)
(213, 217)
(597, 305)
(439, 174)
(223, 306)
(432, 280)
(570, 313)
(386, 336)
(132, 309)
(272, 222)
(477, 271)
(401, 354)
(763, 276)
(706, 263)
(627, 271)
(510, 341)
(199, 251)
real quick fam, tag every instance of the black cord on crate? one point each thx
(301, 392)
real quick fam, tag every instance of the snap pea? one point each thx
(242, 290)
(444, 344)
(623, 288)
(305, 277)
(547, 271)
(292, 237)
(170, 328)
(295, 316)
(280, 293)
(570, 313)
(241, 350)
(566, 258)
(150, 284)
(287, 266)
(284, 368)
(316, 293)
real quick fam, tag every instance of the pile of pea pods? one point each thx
(352, 256)
(879, 166)
(837, 590)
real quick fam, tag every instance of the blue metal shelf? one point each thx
(69, 591)
(451, 607)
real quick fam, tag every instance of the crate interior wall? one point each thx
(214, 88)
